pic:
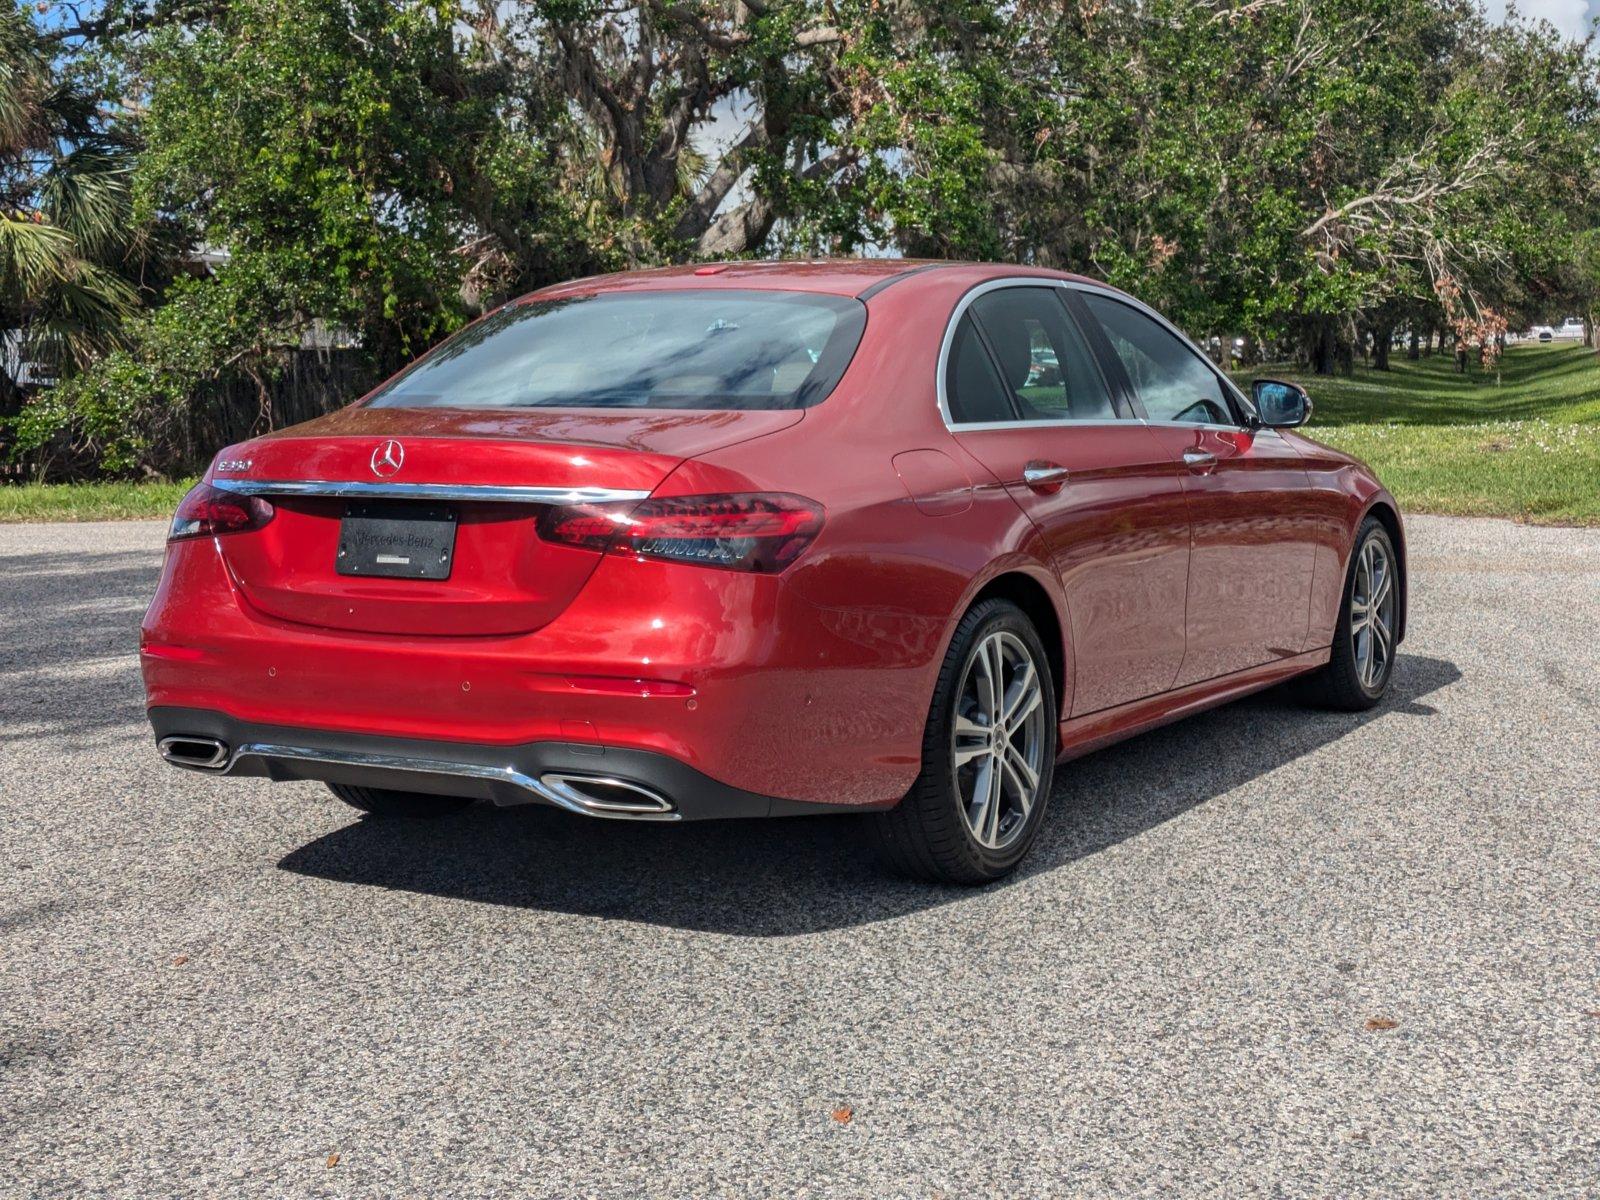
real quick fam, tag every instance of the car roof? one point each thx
(829, 276)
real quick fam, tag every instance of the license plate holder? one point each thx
(388, 540)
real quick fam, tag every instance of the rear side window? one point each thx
(1045, 358)
(973, 390)
(714, 349)
(1173, 382)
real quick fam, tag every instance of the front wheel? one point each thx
(1362, 659)
(988, 756)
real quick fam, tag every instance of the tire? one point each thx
(384, 803)
(1352, 681)
(940, 832)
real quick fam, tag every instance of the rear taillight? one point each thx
(207, 510)
(759, 531)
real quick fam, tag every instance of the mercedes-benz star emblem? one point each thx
(386, 459)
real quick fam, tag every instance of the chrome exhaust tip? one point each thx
(605, 795)
(196, 753)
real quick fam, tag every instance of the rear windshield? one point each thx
(711, 349)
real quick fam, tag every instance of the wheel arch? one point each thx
(1034, 599)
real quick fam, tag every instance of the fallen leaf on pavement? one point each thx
(333, 1160)
(180, 960)
(1378, 1024)
(843, 1113)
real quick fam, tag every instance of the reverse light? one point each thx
(207, 510)
(754, 531)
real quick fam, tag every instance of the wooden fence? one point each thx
(231, 409)
(309, 383)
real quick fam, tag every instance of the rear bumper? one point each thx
(739, 678)
(559, 774)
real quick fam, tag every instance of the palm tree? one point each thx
(67, 237)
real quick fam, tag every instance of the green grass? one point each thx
(90, 501)
(1527, 447)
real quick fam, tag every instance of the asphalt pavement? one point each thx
(1264, 952)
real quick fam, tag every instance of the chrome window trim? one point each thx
(1137, 305)
(983, 289)
(1258, 431)
(1048, 423)
(426, 491)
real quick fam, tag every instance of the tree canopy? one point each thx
(1302, 172)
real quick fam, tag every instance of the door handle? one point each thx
(1044, 476)
(1199, 460)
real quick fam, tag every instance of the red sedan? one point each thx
(770, 538)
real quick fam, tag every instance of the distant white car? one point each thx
(1571, 328)
(1541, 333)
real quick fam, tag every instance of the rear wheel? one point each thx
(988, 756)
(383, 802)
(1362, 660)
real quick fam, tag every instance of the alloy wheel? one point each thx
(1372, 608)
(999, 740)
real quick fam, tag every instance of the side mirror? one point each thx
(1280, 405)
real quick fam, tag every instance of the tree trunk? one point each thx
(1225, 352)
(1323, 350)
(1345, 351)
(1413, 351)
(738, 229)
(1380, 348)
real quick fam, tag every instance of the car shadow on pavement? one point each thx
(804, 875)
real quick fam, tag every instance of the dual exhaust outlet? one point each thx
(592, 795)
(196, 753)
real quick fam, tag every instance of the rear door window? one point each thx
(974, 390)
(1043, 355)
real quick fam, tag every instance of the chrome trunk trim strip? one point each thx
(426, 491)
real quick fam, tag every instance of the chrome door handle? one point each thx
(1199, 459)
(1044, 474)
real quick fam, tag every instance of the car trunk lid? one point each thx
(487, 473)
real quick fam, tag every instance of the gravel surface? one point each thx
(1263, 952)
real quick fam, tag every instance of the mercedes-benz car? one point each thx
(755, 539)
